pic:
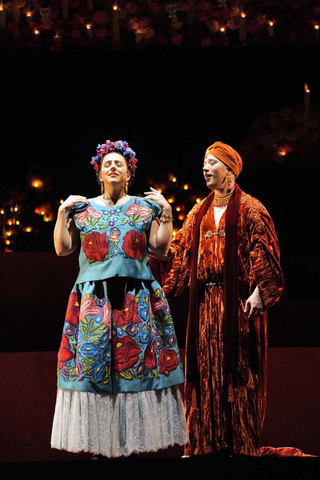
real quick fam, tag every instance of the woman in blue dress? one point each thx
(119, 367)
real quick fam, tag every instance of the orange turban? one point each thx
(227, 155)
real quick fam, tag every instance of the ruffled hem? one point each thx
(119, 425)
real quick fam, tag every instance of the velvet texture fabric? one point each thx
(225, 407)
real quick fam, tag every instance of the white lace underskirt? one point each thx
(119, 425)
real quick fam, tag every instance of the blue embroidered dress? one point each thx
(118, 336)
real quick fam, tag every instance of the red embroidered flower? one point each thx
(72, 315)
(168, 361)
(95, 246)
(150, 359)
(65, 354)
(134, 244)
(125, 353)
(129, 312)
(137, 210)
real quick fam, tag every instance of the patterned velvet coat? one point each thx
(224, 413)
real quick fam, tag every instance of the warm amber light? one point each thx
(271, 23)
(88, 26)
(181, 216)
(185, 186)
(316, 27)
(178, 209)
(198, 200)
(37, 183)
(159, 190)
(306, 88)
(9, 233)
(243, 15)
(9, 222)
(171, 200)
(1, 8)
(7, 242)
(2, 211)
(28, 229)
(115, 7)
(36, 31)
(17, 222)
(16, 209)
(222, 29)
(283, 153)
(28, 14)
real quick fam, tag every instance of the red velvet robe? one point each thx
(258, 265)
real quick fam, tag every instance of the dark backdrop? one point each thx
(170, 105)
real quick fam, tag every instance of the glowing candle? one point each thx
(89, 30)
(57, 41)
(2, 16)
(138, 35)
(306, 107)
(316, 30)
(242, 27)
(115, 23)
(270, 28)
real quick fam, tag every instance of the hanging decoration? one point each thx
(153, 23)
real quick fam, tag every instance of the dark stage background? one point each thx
(170, 104)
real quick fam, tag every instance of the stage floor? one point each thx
(134, 467)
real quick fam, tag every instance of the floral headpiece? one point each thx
(119, 147)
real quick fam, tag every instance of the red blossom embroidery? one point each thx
(150, 359)
(95, 246)
(129, 312)
(168, 361)
(134, 244)
(125, 353)
(72, 315)
(65, 354)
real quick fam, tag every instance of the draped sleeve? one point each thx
(264, 253)
(179, 256)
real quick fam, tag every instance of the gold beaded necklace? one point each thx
(221, 201)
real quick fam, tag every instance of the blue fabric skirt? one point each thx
(118, 336)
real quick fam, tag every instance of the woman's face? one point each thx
(114, 169)
(214, 171)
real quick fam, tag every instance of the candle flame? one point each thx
(37, 183)
(88, 26)
(316, 27)
(271, 23)
(36, 31)
(306, 88)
